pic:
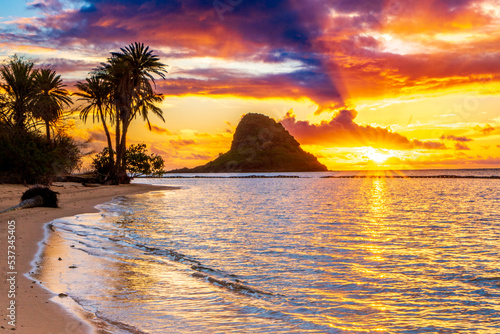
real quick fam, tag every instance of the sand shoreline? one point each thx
(34, 312)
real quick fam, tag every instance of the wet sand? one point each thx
(34, 312)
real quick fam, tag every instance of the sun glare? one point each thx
(377, 156)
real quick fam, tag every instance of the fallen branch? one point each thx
(36, 197)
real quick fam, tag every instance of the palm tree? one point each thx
(18, 84)
(146, 103)
(131, 73)
(96, 92)
(50, 98)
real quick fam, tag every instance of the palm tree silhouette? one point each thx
(146, 102)
(96, 92)
(18, 78)
(50, 98)
(131, 75)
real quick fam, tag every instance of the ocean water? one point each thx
(286, 255)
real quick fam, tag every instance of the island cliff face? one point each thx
(261, 145)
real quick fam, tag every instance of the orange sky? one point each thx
(360, 84)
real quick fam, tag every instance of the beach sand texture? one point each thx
(35, 313)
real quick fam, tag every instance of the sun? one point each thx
(377, 156)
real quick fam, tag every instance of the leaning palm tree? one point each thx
(18, 83)
(96, 92)
(131, 73)
(50, 99)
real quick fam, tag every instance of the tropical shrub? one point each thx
(30, 158)
(137, 163)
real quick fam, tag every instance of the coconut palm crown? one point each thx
(50, 99)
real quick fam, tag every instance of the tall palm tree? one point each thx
(131, 73)
(96, 92)
(18, 84)
(113, 74)
(50, 99)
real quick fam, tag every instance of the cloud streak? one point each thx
(342, 131)
(462, 139)
(159, 130)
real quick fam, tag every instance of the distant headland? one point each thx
(260, 144)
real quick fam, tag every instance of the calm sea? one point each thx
(287, 255)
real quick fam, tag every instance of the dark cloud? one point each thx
(62, 65)
(487, 129)
(455, 138)
(489, 161)
(159, 130)
(182, 142)
(430, 145)
(342, 131)
(194, 156)
(216, 81)
(269, 30)
(47, 6)
(461, 147)
(446, 65)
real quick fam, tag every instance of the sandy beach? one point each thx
(34, 312)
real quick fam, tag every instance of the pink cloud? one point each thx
(342, 131)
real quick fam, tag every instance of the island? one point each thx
(260, 144)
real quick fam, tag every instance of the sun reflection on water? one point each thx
(323, 255)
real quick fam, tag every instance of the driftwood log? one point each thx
(35, 197)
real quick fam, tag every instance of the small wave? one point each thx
(120, 325)
(234, 286)
(486, 279)
(171, 254)
(206, 269)
(202, 272)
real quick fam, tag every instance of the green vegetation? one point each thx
(118, 92)
(27, 96)
(137, 162)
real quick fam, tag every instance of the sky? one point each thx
(361, 84)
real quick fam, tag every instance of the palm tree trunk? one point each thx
(114, 168)
(119, 173)
(123, 147)
(117, 134)
(19, 119)
(108, 136)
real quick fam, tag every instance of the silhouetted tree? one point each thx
(26, 94)
(96, 92)
(18, 82)
(50, 98)
(131, 76)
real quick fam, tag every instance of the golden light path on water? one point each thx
(306, 255)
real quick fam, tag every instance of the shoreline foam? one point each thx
(35, 312)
